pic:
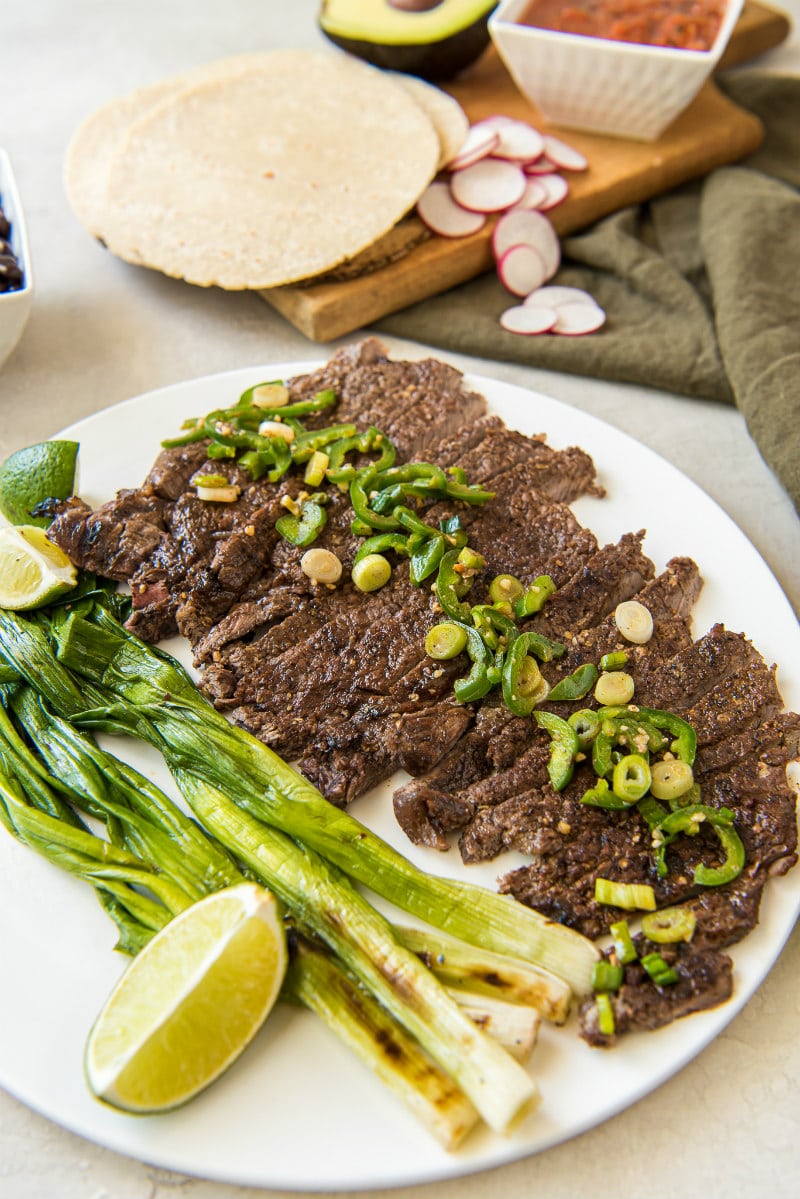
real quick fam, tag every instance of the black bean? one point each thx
(10, 269)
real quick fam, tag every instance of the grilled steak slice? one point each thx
(415, 403)
(429, 807)
(705, 979)
(296, 697)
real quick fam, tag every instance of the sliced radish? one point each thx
(529, 321)
(576, 319)
(558, 297)
(555, 188)
(564, 156)
(522, 269)
(478, 143)
(533, 196)
(439, 211)
(524, 226)
(519, 141)
(488, 186)
(540, 166)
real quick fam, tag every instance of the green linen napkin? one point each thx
(701, 287)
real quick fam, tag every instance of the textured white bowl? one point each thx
(15, 306)
(600, 85)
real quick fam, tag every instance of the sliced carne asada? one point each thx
(426, 807)
(342, 679)
(705, 979)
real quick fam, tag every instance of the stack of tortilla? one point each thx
(259, 170)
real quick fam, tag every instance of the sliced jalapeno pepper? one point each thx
(309, 441)
(520, 685)
(477, 683)
(425, 560)
(586, 724)
(451, 587)
(535, 597)
(380, 543)
(688, 820)
(340, 471)
(684, 743)
(563, 744)
(303, 529)
(575, 685)
(601, 796)
(631, 778)
(360, 488)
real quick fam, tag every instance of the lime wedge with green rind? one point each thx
(33, 571)
(39, 472)
(189, 1003)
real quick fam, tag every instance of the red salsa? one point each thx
(679, 24)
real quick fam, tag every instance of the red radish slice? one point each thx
(529, 321)
(564, 156)
(439, 211)
(522, 269)
(478, 143)
(519, 141)
(488, 186)
(558, 297)
(527, 227)
(576, 319)
(540, 166)
(533, 196)
(556, 190)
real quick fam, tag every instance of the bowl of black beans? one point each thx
(16, 282)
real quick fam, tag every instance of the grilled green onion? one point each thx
(445, 641)
(371, 572)
(631, 896)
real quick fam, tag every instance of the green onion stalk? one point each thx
(107, 679)
(320, 898)
(126, 887)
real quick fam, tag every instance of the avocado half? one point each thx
(434, 39)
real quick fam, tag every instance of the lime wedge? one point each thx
(190, 1002)
(39, 472)
(33, 571)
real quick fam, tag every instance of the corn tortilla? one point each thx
(268, 175)
(96, 140)
(447, 116)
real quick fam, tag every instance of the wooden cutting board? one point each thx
(411, 265)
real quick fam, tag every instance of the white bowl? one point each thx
(15, 306)
(600, 85)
